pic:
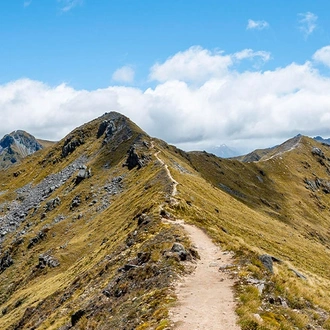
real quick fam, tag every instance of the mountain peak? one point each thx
(17, 145)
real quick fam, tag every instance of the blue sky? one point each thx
(84, 45)
(79, 58)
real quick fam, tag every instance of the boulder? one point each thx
(75, 202)
(52, 204)
(318, 152)
(180, 251)
(47, 260)
(267, 261)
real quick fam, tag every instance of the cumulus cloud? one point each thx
(256, 25)
(199, 65)
(307, 23)
(323, 56)
(194, 64)
(124, 74)
(67, 5)
(248, 110)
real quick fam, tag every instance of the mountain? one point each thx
(17, 145)
(223, 151)
(89, 239)
(268, 153)
(321, 140)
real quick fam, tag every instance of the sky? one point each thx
(197, 74)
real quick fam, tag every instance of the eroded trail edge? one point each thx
(205, 297)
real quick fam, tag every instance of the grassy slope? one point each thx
(84, 246)
(283, 227)
(275, 216)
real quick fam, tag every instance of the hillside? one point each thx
(84, 244)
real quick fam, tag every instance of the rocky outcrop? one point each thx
(5, 261)
(318, 152)
(72, 142)
(38, 238)
(115, 128)
(180, 251)
(267, 262)
(316, 184)
(136, 159)
(52, 204)
(75, 202)
(47, 260)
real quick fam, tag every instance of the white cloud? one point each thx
(323, 56)
(199, 65)
(67, 5)
(256, 25)
(194, 64)
(307, 23)
(250, 54)
(251, 109)
(124, 74)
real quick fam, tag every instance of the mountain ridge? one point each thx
(85, 245)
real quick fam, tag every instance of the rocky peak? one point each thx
(15, 146)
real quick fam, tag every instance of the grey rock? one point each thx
(103, 126)
(75, 202)
(136, 159)
(72, 142)
(84, 172)
(267, 262)
(47, 260)
(318, 152)
(298, 274)
(180, 250)
(115, 186)
(318, 184)
(38, 238)
(52, 204)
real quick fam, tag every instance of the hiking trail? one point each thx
(205, 297)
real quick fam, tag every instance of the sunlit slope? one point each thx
(93, 204)
(99, 225)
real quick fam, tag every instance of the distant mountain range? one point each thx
(320, 139)
(223, 151)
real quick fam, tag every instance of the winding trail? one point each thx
(174, 182)
(205, 297)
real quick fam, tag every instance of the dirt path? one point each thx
(174, 182)
(205, 297)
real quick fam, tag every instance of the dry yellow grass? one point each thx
(267, 209)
